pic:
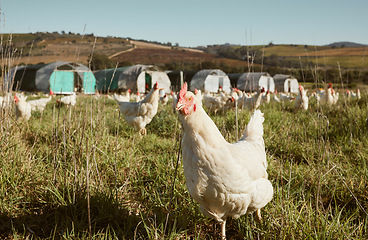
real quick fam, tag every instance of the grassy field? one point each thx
(77, 173)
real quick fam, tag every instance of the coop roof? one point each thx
(210, 80)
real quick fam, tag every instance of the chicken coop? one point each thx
(286, 83)
(251, 82)
(210, 80)
(60, 77)
(137, 78)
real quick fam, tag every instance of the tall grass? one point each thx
(82, 172)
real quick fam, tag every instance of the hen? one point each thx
(139, 114)
(301, 100)
(39, 104)
(164, 99)
(22, 108)
(227, 180)
(253, 102)
(68, 100)
(217, 103)
(124, 97)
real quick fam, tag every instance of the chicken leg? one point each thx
(223, 230)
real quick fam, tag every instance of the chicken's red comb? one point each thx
(155, 86)
(330, 85)
(183, 90)
(195, 91)
(16, 99)
(51, 92)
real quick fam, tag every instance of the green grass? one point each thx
(68, 165)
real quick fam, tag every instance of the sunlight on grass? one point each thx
(317, 165)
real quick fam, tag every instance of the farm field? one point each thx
(81, 172)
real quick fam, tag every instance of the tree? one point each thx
(100, 61)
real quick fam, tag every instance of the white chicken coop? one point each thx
(210, 80)
(252, 82)
(137, 78)
(286, 83)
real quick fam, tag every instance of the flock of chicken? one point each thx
(227, 180)
(24, 108)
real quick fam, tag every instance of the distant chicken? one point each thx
(255, 101)
(124, 97)
(358, 94)
(139, 114)
(164, 99)
(351, 94)
(68, 100)
(285, 97)
(23, 110)
(227, 180)
(137, 97)
(301, 100)
(275, 97)
(266, 97)
(40, 104)
(217, 103)
(328, 96)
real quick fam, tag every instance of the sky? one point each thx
(192, 23)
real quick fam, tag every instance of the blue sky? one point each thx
(194, 23)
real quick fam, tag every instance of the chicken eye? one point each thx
(190, 99)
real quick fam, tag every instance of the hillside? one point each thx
(33, 48)
(49, 47)
(296, 55)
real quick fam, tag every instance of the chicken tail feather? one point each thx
(254, 129)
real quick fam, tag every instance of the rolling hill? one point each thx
(33, 48)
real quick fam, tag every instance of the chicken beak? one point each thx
(179, 106)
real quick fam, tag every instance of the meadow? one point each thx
(82, 173)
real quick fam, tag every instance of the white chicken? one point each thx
(275, 97)
(23, 109)
(285, 97)
(164, 99)
(328, 96)
(137, 97)
(266, 97)
(358, 94)
(217, 103)
(255, 101)
(351, 94)
(227, 180)
(123, 97)
(68, 100)
(301, 100)
(139, 114)
(39, 104)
